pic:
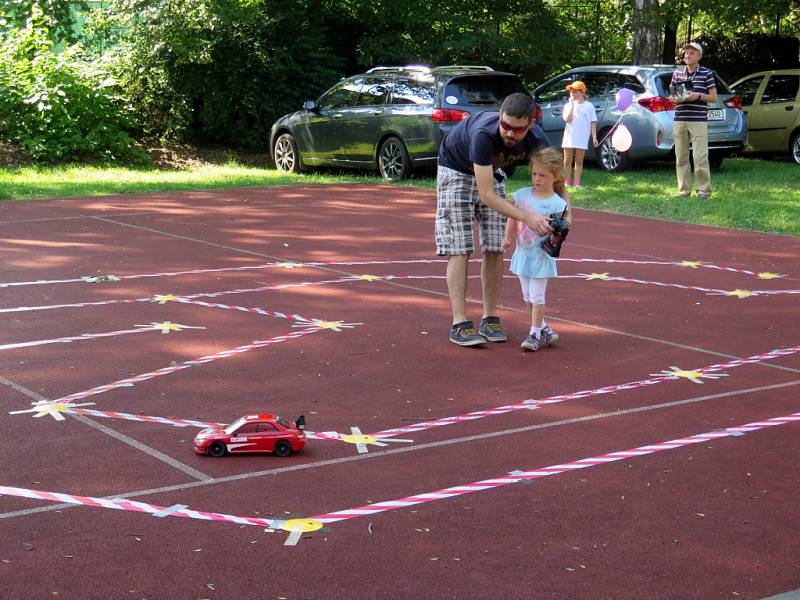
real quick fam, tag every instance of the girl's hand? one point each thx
(506, 243)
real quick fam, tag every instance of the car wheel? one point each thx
(795, 148)
(609, 158)
(282, 448)
(393, 160)
(715, 161)
(287, 158)
(217, 449)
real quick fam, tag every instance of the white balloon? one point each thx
(621, 140)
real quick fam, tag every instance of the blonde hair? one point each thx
(551, 159)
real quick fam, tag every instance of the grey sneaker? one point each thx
(530, 343)
(492, 330)
(464, 334)
(548, 336)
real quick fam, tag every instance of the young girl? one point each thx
(581, 120)
(530, 263)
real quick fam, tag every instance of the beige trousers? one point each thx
(696, 134)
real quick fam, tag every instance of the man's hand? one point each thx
(539, 223)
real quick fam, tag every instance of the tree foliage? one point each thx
(224, 70)
(61, 14)
(59, 106)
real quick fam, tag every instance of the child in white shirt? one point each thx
(581, 120)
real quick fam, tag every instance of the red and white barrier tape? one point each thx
(292, 265)
(533, 404)
(129, 381)
(517, 476)
(379, 507)
(134, 506)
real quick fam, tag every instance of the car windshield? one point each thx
(235, 425)
(282, 422)
(482, 91)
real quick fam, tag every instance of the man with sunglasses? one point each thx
(474, 161)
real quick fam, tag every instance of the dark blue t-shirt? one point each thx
(476, 141)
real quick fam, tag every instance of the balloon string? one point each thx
(610, 131)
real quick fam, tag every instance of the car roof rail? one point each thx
(420, 68)
(465, 67)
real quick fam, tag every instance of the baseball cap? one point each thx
(694, 45)
(577, 85)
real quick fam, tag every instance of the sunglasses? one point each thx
(513, 129)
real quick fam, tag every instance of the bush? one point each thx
(60, 107)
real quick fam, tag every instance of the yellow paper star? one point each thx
(600, 276)
(692, 264)
(769, 275)
(368, 277)
(318, 324)
(740, 293)
(289, 265)
(47, 407)
(164, 298)
(168, 326)
(693, 376)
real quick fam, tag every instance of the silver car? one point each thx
(649, 118)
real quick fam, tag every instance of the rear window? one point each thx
(481, 91)
(617, 81)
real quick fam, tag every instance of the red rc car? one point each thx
(253, 433)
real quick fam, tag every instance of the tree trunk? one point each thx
(646, 43)
(670, 42)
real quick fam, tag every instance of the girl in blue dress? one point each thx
(530, 263)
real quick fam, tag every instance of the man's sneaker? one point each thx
(492, 330)
(464, 334)
(548, 336)
(530, 343)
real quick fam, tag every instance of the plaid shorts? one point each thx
(458, 206)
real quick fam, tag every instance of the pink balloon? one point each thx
(624, 98)
(621, 140)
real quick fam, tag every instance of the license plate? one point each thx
(716, 115)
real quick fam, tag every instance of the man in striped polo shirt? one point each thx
(691, 121)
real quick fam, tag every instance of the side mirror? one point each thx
(301, 422)
(310, 105)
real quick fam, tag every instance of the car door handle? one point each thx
(377, 112)
(337, 115)
(787, 108)
(556, 113)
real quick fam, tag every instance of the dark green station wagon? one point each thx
(390, 118)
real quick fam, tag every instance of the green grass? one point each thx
(756, 194)
(761, 195)
(78, 180)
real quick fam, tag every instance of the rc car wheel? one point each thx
(282, 448)
(609, 158)
(217, 449)
(794, 148)
(393, 160)
(287, 158)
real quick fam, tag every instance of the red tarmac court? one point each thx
(650, 455)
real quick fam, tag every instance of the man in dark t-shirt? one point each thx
(474, 160)
(692, 89)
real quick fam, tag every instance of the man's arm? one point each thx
(484, 179)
